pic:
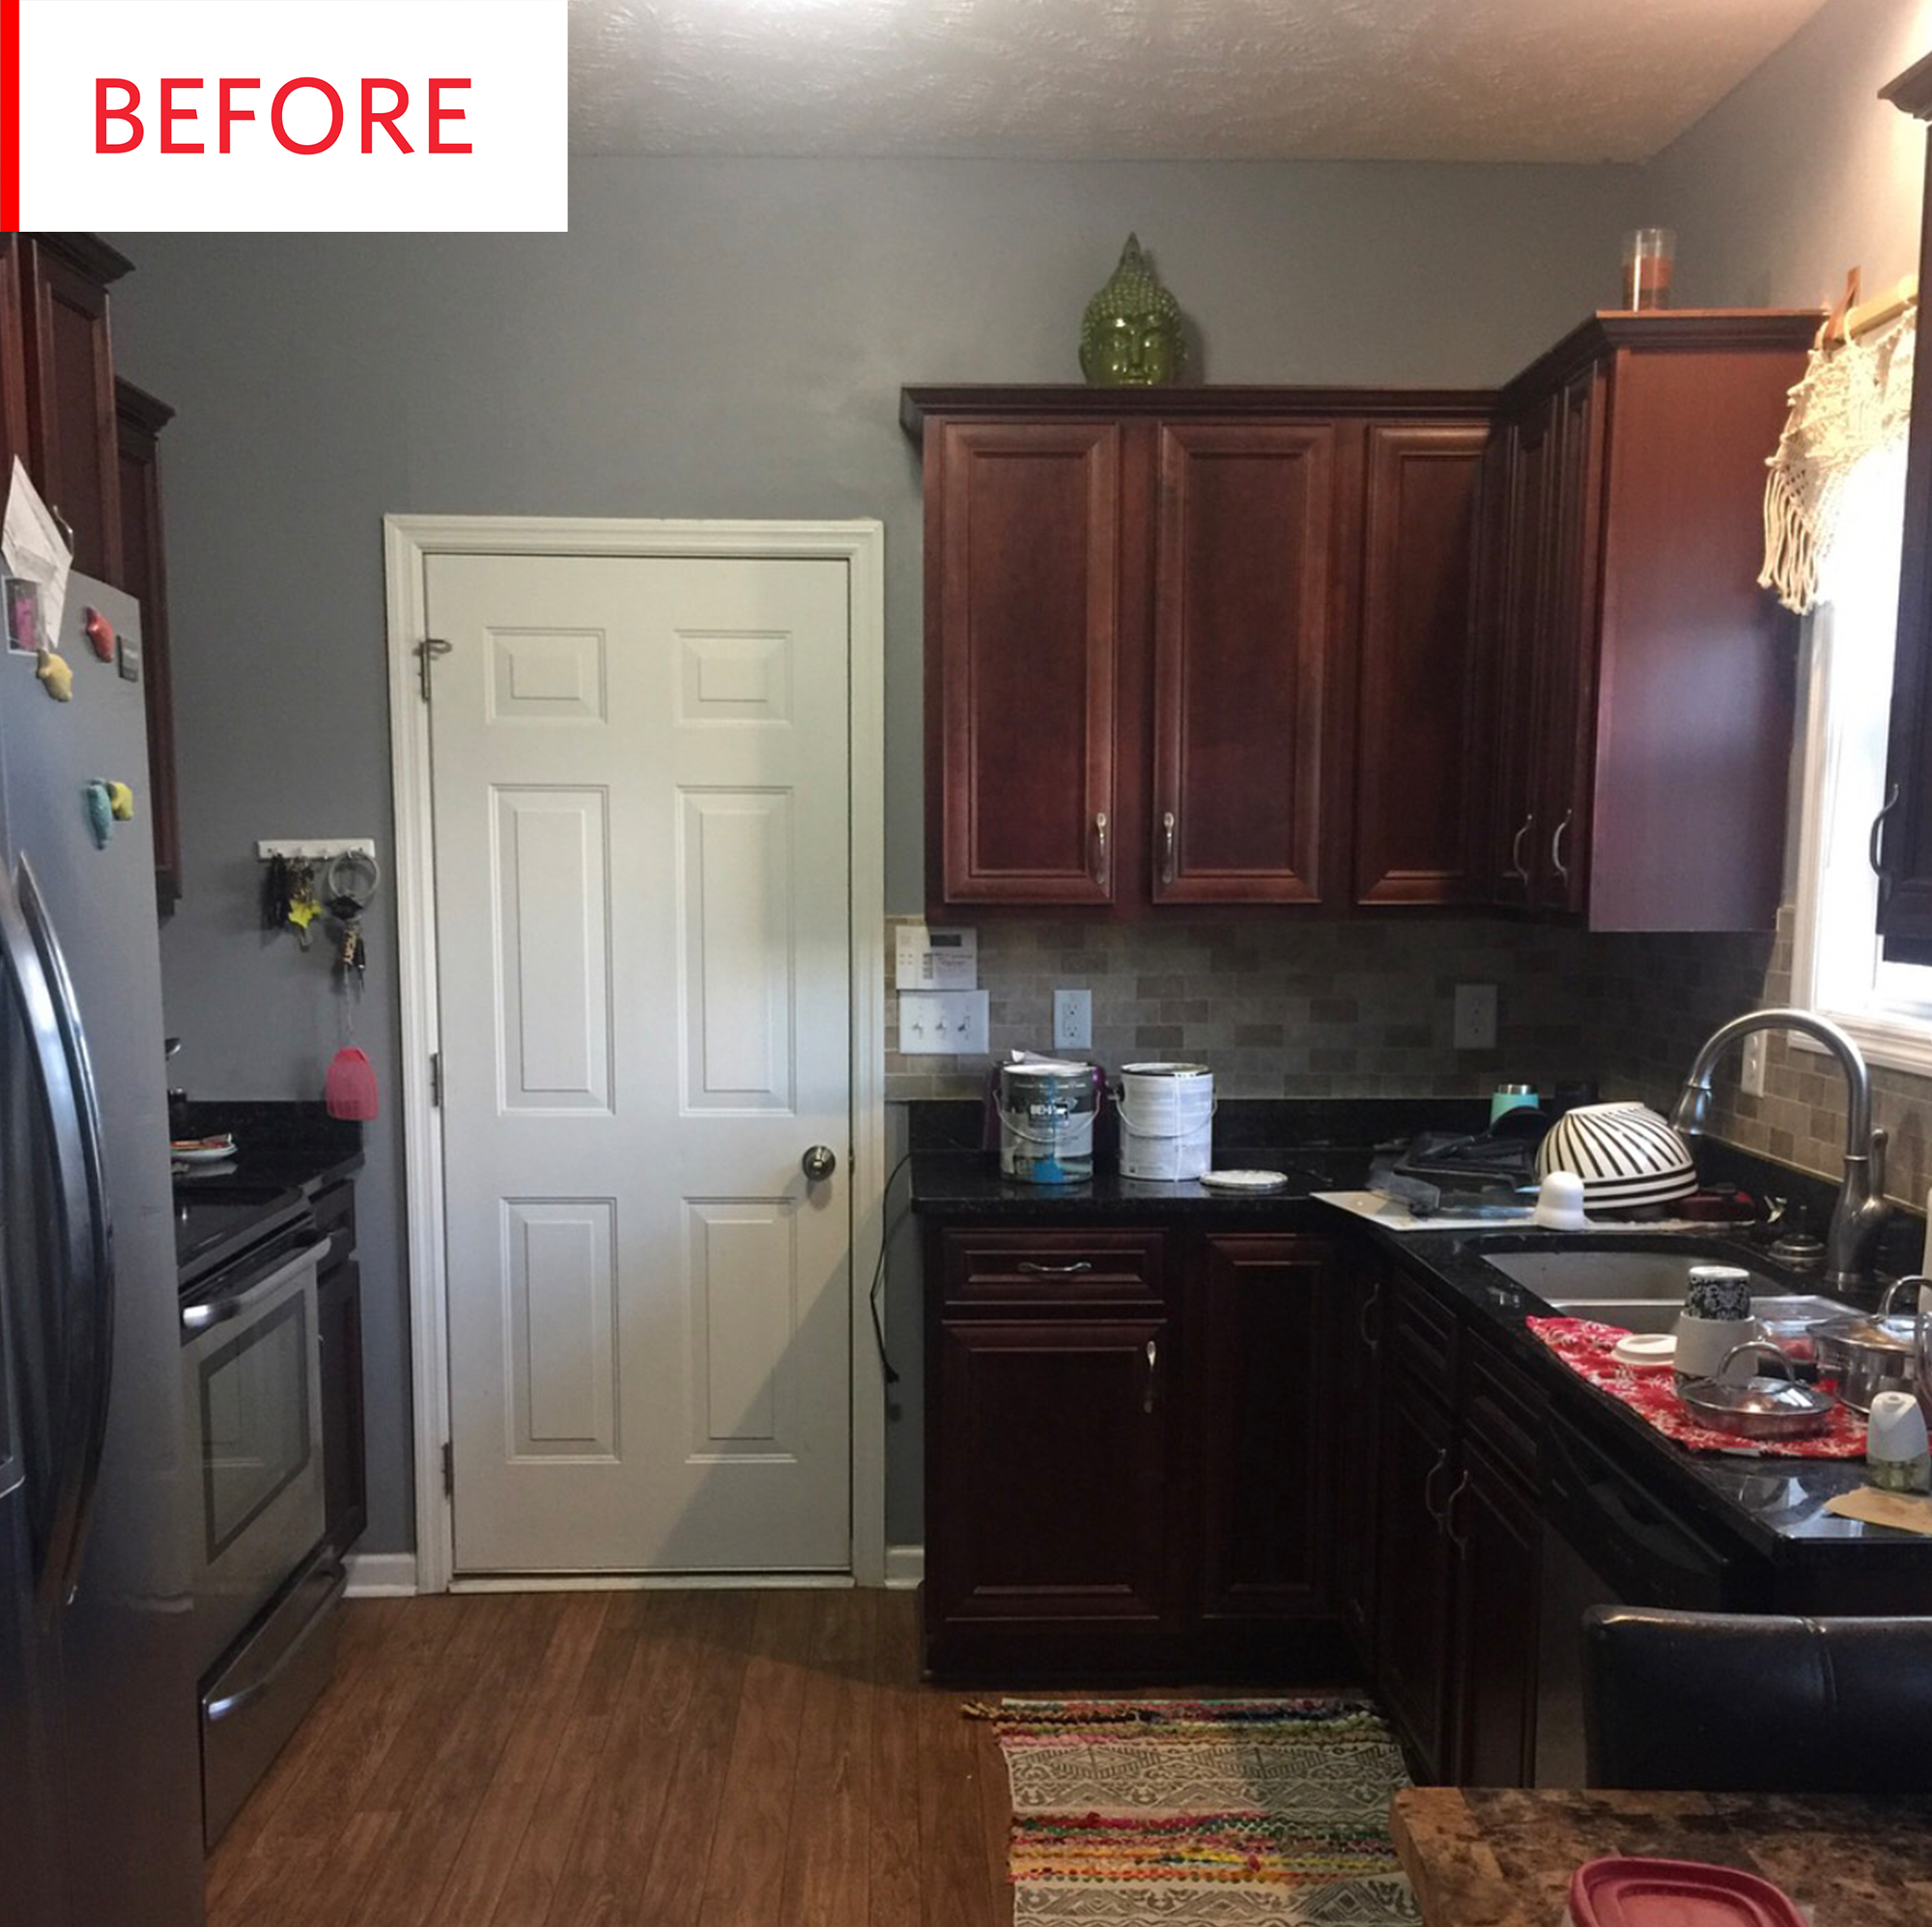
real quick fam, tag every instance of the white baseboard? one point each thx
(381, 1576)
(905, 1567)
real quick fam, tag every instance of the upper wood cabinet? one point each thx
(1902, 842)
(66, 369)
(1642, 680)
(1179, 643)
(139, 418)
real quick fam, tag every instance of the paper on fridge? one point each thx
(31, 546)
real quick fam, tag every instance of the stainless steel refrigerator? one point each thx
(99, 1782)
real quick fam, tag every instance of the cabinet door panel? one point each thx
(1522, 614)
(1242, 662)
(13, 435)
(1361, 1313)
(1047, 1501)
(1418, 802)
(70, 370)
(1566, 669)
(1022, 623)
(1498, 1538)
(1263, 1440)
(1416, 1572)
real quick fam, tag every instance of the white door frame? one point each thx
(408, 541)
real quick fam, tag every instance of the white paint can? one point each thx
(1167, 1121)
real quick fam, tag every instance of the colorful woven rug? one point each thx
(1202, 1813)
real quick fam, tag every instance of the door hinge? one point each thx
(436, 1080)
(427, 651)
(448, 1469)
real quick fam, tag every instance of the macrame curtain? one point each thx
(1855, 398)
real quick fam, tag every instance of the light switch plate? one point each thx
(1475, 1016)
(951, 1023)
(1750, 1079)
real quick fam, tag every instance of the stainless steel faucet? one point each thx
(1860, 1212)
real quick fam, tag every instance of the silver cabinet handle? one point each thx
(1556, 862)
(1516, 867)
(1435, 1471)
(1449, 1514)
(1032, 1270)
(1877, 850)
(1102, 866)
(818, 1164)
(1370, 1324)
(1153, 1361)
(1167, 846)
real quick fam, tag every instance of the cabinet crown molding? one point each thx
(1070, 402)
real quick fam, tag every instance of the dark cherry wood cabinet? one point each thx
(339, 1319)
(1420, 803)
(1244, 648)
(1023, 660)
(1494, 1524)
(1643, 681)
(1178, 641)
(1360, 1302)
(1263, 1345)
(139, 418)
(14, 440)
(68, 365)
(1129, 1453)
(1902, 838)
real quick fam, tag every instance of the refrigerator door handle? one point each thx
(60, 1113)
(97, 1282)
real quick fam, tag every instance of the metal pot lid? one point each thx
(1900, 1335)
(1715, 1401)
(1166, 1070)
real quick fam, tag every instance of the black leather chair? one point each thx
(1738, 1703)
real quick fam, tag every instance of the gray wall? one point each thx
(727, 338)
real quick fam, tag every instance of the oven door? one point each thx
(251, 1367)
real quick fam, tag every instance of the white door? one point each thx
(641, 812)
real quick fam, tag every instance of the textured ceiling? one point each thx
(1578, 81)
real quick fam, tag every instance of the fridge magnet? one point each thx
(121, 799)
(1130, 334)
(99, 813)
(101, 632)
(21, 598)
(56, 678)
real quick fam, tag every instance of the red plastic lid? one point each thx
(1622, 1891)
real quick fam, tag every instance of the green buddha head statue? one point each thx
(1130, 334)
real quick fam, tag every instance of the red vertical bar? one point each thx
(10, 116)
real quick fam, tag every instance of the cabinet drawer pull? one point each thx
(1102, 865)
(1556, 862)
(1517, 868)
(1449, 1514)
(1370, 1324)
(1032, 1270)
(1435, 1471)
(1153, 1360)
(1167, 846)
(1877, 851)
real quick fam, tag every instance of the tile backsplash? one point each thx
(1366, 1009)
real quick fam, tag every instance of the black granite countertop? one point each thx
(1775, 1505)
(286, 1154)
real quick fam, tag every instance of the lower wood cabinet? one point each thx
(1129, 1451)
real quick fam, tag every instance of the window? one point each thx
(1837, 965)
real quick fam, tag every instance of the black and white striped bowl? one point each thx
(1625, 1153)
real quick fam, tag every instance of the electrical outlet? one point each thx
(1750, 1077)
(1073, 1020)
(943, 1023)
(1475, 1016)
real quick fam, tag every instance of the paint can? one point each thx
(1167, 1121)
(1046, 1121)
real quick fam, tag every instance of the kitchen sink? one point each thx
(1643, 1291)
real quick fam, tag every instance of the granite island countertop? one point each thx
(1503, 1857)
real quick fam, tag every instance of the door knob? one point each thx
(818, 1163)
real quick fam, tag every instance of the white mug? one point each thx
(1702, 1343)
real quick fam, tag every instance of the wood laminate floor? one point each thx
(709, 1759)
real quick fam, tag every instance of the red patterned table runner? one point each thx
(1586, 1347)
